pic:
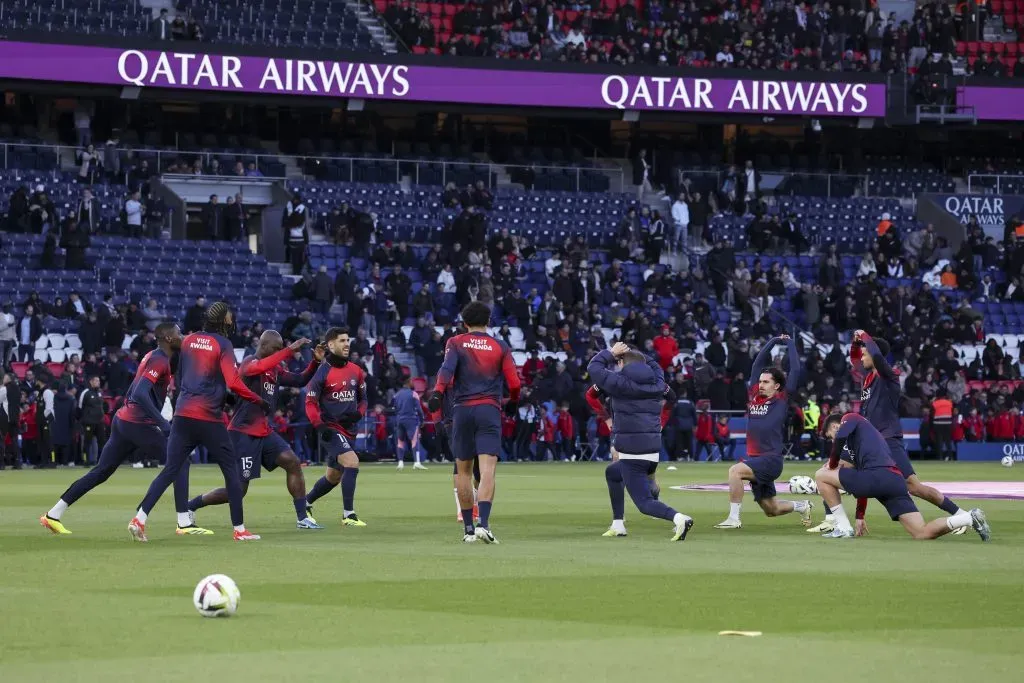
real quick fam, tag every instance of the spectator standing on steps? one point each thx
(296, 235)
(323, 291)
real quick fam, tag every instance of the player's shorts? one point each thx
(405, 430)
(476, 430)
(886, 486)
(898, 453)
(128, 437)
(255, 452)
(335, 444)
(766, 469)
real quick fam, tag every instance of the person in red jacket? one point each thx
(705, 434)
(545, 436)
(723, 438)
(508, 433)
(1018, 424)
(30, 434)
(380, 429)
(1001, 427)
(532, 368)
(666, 347)
(566, 431)
(974, 426)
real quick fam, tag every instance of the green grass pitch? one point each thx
(405, 600)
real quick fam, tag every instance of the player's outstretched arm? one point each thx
(254, 367)
(142, 396)
(316, 385)
(508, 369)
(446, 375)
(233, 380)
(761, 361)
(793, 378)
(880, 362)
(593, 398)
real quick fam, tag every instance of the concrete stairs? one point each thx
(381, 35)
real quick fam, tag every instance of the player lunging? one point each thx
(409, 415)
(255, 444)
(206, 370)
(138, 425)
(637, 394)
(862, 465)
(473, 368)
(767, 408)
(880, 404)
(335, 403)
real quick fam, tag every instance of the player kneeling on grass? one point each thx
(860, 463)
(255, 443)
(636, 392)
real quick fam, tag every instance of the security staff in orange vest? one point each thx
(942, 427)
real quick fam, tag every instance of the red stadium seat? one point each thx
(56, 369)
(1011, 49)
(972, 47)
(985, 46)
(1008, 62)
(971, 60)
(961, 48)
(997, 6)
(998, 48)
(419, 50)
(20, 369)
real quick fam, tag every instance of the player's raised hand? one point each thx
(858, 335)
(784, 337)
(861, 528)
(619, 349)
(320, 352)
(298, 345)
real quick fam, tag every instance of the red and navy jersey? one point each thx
(474, 366)
(336, 397)
(155, 369)
(880, 391)
(263, 376)
(860, 444)
(766, 422)
(206, 371)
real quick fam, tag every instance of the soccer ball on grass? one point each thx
(802, 484)
(216, 596)
(1007, 461)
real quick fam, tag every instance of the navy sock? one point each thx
(948, 506)
(467, 520)
(485, 512)
(196, 503)
(320, 489)
(300, 508)
(348, 487)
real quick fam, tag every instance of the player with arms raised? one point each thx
(880, 404)
(255, 444)
(862, 465)
(206, 370)
(475, 365)
(767, 409)
(138, 425)
(335, 403)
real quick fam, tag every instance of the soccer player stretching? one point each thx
(206, 370)
(473, 368)
(255, 444)
(138, 425)
(767, 407)
(409, 415)
(335, 403)
(866, 470)
(880, 404)
(637, 394)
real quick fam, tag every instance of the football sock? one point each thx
(57, 510)
(734, 510)
(347, 513)
(960, 519)
(948, 506)
(458, 506)
(196, 503)
(679, 518)
(184, 520)
(467, 521)
(799, 505)
(300, 507)
(485, 512)
(141, 516)
(619, 525)
(842, 521)
(239, 527)
(320, 489)
(348, 487)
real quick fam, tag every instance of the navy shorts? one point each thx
(884, 485)
(898, 453)
(335, 444)
(406, 430)
(128, 437)
(255, 452)
(766, 469)
(476, 430)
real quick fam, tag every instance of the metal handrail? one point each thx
(491, 168)
(977, 177)
(719, 174)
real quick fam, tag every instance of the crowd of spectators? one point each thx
(820, 36)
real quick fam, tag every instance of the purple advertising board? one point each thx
(992, 104)
(420, 83)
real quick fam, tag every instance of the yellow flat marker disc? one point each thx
(748, 634)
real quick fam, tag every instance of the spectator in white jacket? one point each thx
(447, 278)
(681, 219)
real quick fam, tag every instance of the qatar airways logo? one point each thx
(343, 395)
(201, 344)
(865, 394)
(478, 344)
(758, 409)
(1014, 450)
(154, 374)
(269, 387)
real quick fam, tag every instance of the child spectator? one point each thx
(545, 436)
(723, 439)
(567, 432)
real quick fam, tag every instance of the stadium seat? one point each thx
(57, 355)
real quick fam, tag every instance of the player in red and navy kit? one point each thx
(256, 445)
(206, 371)
(475, 370)
(138, 425)
(862, 465)
(335, 403)
(767, 408)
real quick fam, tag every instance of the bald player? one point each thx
(256, 445)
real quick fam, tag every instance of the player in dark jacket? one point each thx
(636, 387)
